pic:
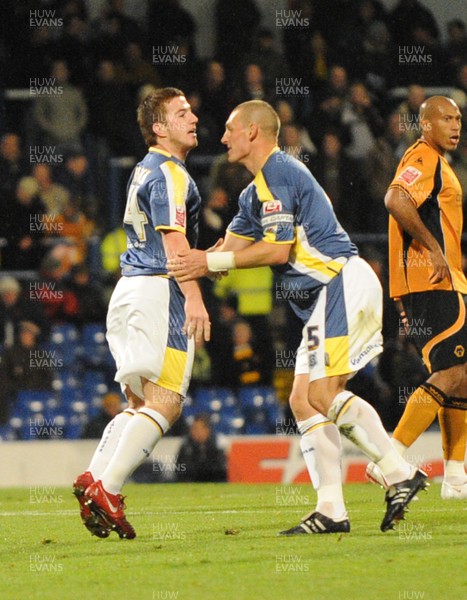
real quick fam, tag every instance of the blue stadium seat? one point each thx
(231, 423)
(65, 379)
(214, 400)
(261, 409)
(64, 334)
(64, 345)
(96, 351)
(7, 433)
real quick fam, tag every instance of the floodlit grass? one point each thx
(219, 542)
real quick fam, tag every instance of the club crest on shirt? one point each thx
(272, 206)
(409, 175)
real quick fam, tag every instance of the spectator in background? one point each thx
(291, 139)
(253, 289)
(58, 303)
(61, 117)
(231, 177)
(456, 46)
(287, 117)
(14, 308)
(409, 119)
(112, 246)
(113, 30)
(23, 227)
(201, 373)
(75, 229)
(134, 70)
(214, 218)
(75, 48)
(22, 368)
(363, 121)
(107, 97)
(253, 85)
(207, 129)
(380, 165)
(330, 103)
(167, 20)
(53, 196)
(339, 176)
(111, 406)
(233, 43)
(91, 306)
(407, 15)
(216, 95)
(220, 348)
(11, 168)
(249, 366)
(199, 458)
(271, 62)
(75, 177)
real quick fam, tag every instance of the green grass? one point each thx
(218, 542)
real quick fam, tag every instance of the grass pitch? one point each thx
(219, 542)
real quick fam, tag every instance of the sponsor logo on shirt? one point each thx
(180, 216)
(272, 206)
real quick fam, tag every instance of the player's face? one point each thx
(180, 125)
(236, 138)
(444, 128)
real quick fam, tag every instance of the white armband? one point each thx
(220, 261)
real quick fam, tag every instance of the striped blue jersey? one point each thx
(285, 204)
(161, 196)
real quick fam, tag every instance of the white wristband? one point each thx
(220, 261)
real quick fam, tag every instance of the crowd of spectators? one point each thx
(347, 91)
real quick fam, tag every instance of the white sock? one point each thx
(454, 472)
(136, 443)
(108, 443)
(399, 446)
(360, 423)
(321, 449)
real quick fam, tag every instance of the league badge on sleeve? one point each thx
(409, 175)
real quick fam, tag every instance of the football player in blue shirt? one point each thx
(286, 220)
(152, 321)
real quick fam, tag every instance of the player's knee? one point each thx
(134, 401)
(452, 381)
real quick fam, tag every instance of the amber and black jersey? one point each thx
(427, 178)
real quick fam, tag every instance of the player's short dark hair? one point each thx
(152, 110)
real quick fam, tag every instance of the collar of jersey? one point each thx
(154, 149)
(259, 174)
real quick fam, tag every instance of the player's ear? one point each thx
(159, 128)
(253, 131)
(425, 125)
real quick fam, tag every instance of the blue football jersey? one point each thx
(161, 196)
(284, 204)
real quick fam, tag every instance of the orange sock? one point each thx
(419, 414)
(453, 425)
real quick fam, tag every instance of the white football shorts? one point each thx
(343, 333)
(144, 330)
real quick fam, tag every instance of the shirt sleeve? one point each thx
(242, 225)
(415, 175)
(168, 198)
(277, 211)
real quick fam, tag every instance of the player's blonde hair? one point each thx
(261, 113)
(152, 110)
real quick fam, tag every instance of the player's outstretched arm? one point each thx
(196, 316)
(401, 207)
(197, 263)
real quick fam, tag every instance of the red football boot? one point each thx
(109, 508)
(92, 522)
